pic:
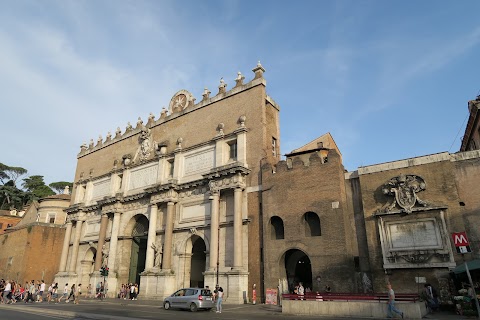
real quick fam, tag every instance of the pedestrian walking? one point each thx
(6, 292)
(78, 293)
(391, 303)
(65, 293)
(72, 293)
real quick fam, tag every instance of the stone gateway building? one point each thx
(200, 197)
(174, 202)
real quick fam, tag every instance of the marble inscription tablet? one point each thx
(199, 162)
(101, 189)
(195, 212)
(143, 176)
(414, 235)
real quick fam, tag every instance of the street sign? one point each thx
(461, 242)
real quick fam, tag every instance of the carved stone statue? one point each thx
(104, 256)
(157, 252)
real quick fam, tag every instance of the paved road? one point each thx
(136, 310)
(146, 310)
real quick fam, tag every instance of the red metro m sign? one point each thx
(461, 242)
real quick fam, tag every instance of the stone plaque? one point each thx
(101, 189)
(143, 176)
(93, 227)
(195, 212)
(199, 162)
(414, 235)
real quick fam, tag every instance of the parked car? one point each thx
(190, 298)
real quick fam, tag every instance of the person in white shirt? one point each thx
(219, 296)
(42, 289)
(6, 292)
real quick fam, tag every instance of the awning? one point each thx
(472, 265)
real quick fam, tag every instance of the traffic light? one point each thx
(104, 271)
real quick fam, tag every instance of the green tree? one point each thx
(36, 186)
(60, 186)
(10, 173)
(10, 195)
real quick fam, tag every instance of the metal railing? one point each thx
(340, 296)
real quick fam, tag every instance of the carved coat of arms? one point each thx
(404, 188)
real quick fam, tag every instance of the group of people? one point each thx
(34, 291)
(128, 291)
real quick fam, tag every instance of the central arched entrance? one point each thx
(198, 262)
(138, 249)
(298, 269)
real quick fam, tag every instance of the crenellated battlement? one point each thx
(182, 102)
(318, 159)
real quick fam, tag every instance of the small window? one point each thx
(312, 225)
(274, 147)
(206, 292)
(120, 182)
(356, 263)
(171, 167)
(277, 230)
(232, 150)
(190, 292)
(180, 293)
(50, 218)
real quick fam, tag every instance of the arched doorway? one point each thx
(298, 269)
(88, 264)
(198, 262)
(138, 249)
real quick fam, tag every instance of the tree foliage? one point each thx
(34, 187)
(60, 186)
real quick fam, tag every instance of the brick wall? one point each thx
(31, 253)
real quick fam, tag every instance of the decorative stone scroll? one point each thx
(404, 189)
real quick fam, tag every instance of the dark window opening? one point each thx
(233, 150)
(277, 231)
(312, 225)
(356, 262)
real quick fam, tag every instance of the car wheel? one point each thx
(193, 307)
(166, 305)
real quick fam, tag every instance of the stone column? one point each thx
(237, 230)
(66, 245)
(112, 253)
(214, 224)
(76, 243)
(152, 232)
(101, 242)
(167, 247)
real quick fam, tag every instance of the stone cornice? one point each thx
(74, 208)
(229, 169)
(414, 210)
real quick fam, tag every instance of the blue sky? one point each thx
(388, 79)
